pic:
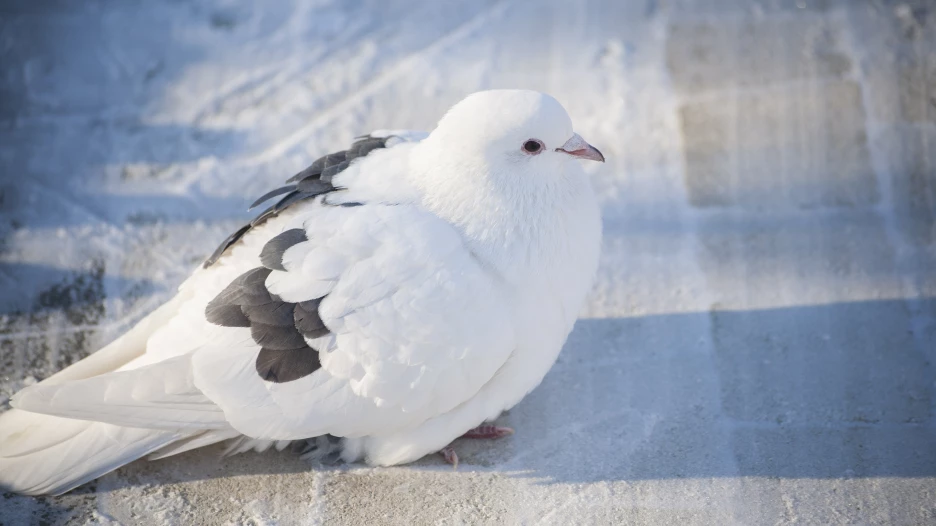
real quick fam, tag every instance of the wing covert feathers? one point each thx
(311, 182)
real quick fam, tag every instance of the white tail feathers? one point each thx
(161, 396)
(48, 455)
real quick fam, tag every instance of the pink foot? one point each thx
(448, 453)
(488, 431)
(482, 431)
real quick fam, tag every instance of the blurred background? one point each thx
(760, 344)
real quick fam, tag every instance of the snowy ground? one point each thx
(761, 344)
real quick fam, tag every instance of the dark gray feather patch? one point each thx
(311, 305)
(289, 200)
(314, 186)
(274, 365)
(279, 327)
(226, 314)
(272, 254)
(277, 313)
(248, 289)
(231, 239)
(308, 321)
(270, 195)
(276, 337)
(313, 181)
(332, 171)
(366, 145)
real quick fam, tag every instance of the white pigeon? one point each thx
(396, 296)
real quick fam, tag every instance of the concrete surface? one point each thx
(759, 348)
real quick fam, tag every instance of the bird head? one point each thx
(516, 144)
(517, 131)
(503, 166)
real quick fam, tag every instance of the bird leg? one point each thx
(451, 457)
(483, 431)
(326, 449)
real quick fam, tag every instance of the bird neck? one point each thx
(523, 231)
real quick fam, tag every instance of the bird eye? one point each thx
(533, 146)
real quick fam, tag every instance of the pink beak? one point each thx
(577, 147)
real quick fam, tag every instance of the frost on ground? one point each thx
(760, 345)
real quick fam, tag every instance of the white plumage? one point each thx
(442, 273)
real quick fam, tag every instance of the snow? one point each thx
(759, 347)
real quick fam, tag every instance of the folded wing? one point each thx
(393, 322)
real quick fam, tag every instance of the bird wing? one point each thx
(360, 319)
(347, 312)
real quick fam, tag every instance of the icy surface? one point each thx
(760, 344)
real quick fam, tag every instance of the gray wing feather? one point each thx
(313, 181)
(272, 254)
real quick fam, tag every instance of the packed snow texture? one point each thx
(760, 346)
